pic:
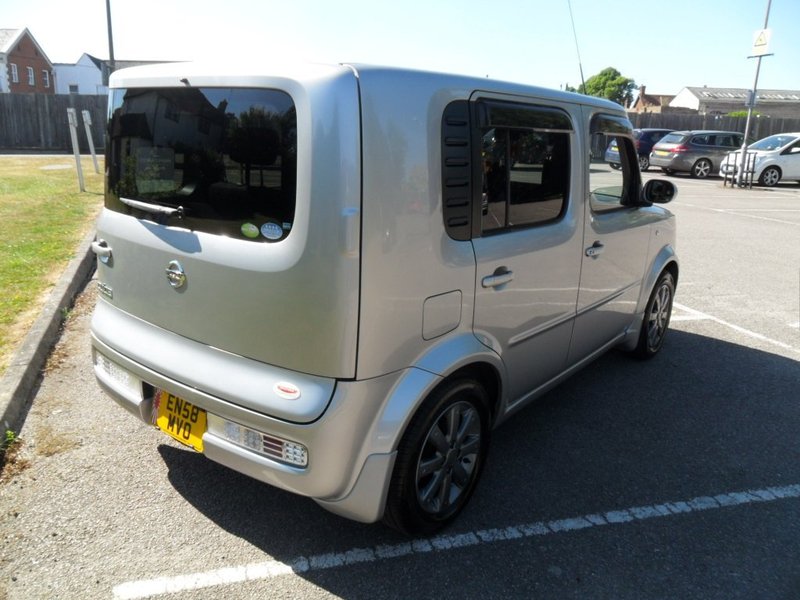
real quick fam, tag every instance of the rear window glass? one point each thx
(216, 160)
(672, 138)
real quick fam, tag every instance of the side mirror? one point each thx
(658, 191)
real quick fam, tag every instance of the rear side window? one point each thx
(525, 165)
(703, 140)
(216, 160)
(505, 166)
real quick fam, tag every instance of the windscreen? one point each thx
(216, 160)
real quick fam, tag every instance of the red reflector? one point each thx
(677, 149)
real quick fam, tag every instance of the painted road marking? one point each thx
(738, 212)
(696, 315)
(271, 569)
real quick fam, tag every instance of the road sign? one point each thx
(761, 42)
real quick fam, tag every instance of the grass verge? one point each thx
(43, 217)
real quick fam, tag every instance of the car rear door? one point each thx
(528, 241)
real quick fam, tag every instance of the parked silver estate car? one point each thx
(770, 159)
(698, 153)
(339, 279)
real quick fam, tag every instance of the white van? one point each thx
(339, 279)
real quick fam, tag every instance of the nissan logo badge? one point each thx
(175, 274)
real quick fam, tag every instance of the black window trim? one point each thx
(619, 127)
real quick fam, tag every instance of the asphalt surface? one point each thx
(673, 478)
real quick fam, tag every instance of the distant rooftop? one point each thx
(723, 94)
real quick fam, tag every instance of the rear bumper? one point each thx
(347, 472)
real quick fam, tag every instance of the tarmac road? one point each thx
(673, 478)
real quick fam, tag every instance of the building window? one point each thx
(46, 78)
(31, 76)
(14, 73)
(73, 88)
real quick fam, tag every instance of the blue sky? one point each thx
(665, 45)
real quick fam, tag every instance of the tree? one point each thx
(608, 83)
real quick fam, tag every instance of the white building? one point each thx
(83, 77)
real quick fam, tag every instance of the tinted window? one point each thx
(226, 157)
(525, 165)
(703, 140)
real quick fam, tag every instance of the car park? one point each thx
(698, 153)
(644, 139)
(340, 279)
(769, 160)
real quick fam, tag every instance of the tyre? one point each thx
(770, 176)
(656, 317)
(702, 168)
(614, 166)
(667, 170)
(440, 458)
(644, 162)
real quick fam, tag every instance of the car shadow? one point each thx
(703, 417)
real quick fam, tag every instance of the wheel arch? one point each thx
(475, 361)
(665, 260)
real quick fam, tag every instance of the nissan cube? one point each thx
(338, 280)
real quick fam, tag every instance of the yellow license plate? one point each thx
(661, 153)
(180, 419)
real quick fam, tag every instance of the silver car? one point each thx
(698, 153)
(340, 279)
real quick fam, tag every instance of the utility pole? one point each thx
(111, 63)
(751, 101)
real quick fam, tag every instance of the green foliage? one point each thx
(610, 84)
(8, 442)
(741, 113)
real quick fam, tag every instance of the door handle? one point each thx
(595, 250)
(501, 276)
(102, 250)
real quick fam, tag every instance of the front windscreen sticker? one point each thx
(249, 230)
(272, 231)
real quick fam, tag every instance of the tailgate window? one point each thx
(216, 160)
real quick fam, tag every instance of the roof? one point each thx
(735, 94)
(9, 37)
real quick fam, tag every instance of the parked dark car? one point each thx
(698, 153)
(644, 140)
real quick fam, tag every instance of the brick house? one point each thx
(24, 67)
(652, 103)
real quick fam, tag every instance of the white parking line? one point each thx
(696, 315)
(741, 213)
(274, 568)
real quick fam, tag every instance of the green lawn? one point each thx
(43, 217)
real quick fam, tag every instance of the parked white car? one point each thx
(772, 159)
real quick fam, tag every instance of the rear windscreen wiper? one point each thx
(156, 209)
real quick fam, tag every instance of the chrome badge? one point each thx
(175, 274)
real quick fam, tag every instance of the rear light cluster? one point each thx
(285, 451)
(678, 149)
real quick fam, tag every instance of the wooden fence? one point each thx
(760, 127)
(38, 122)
